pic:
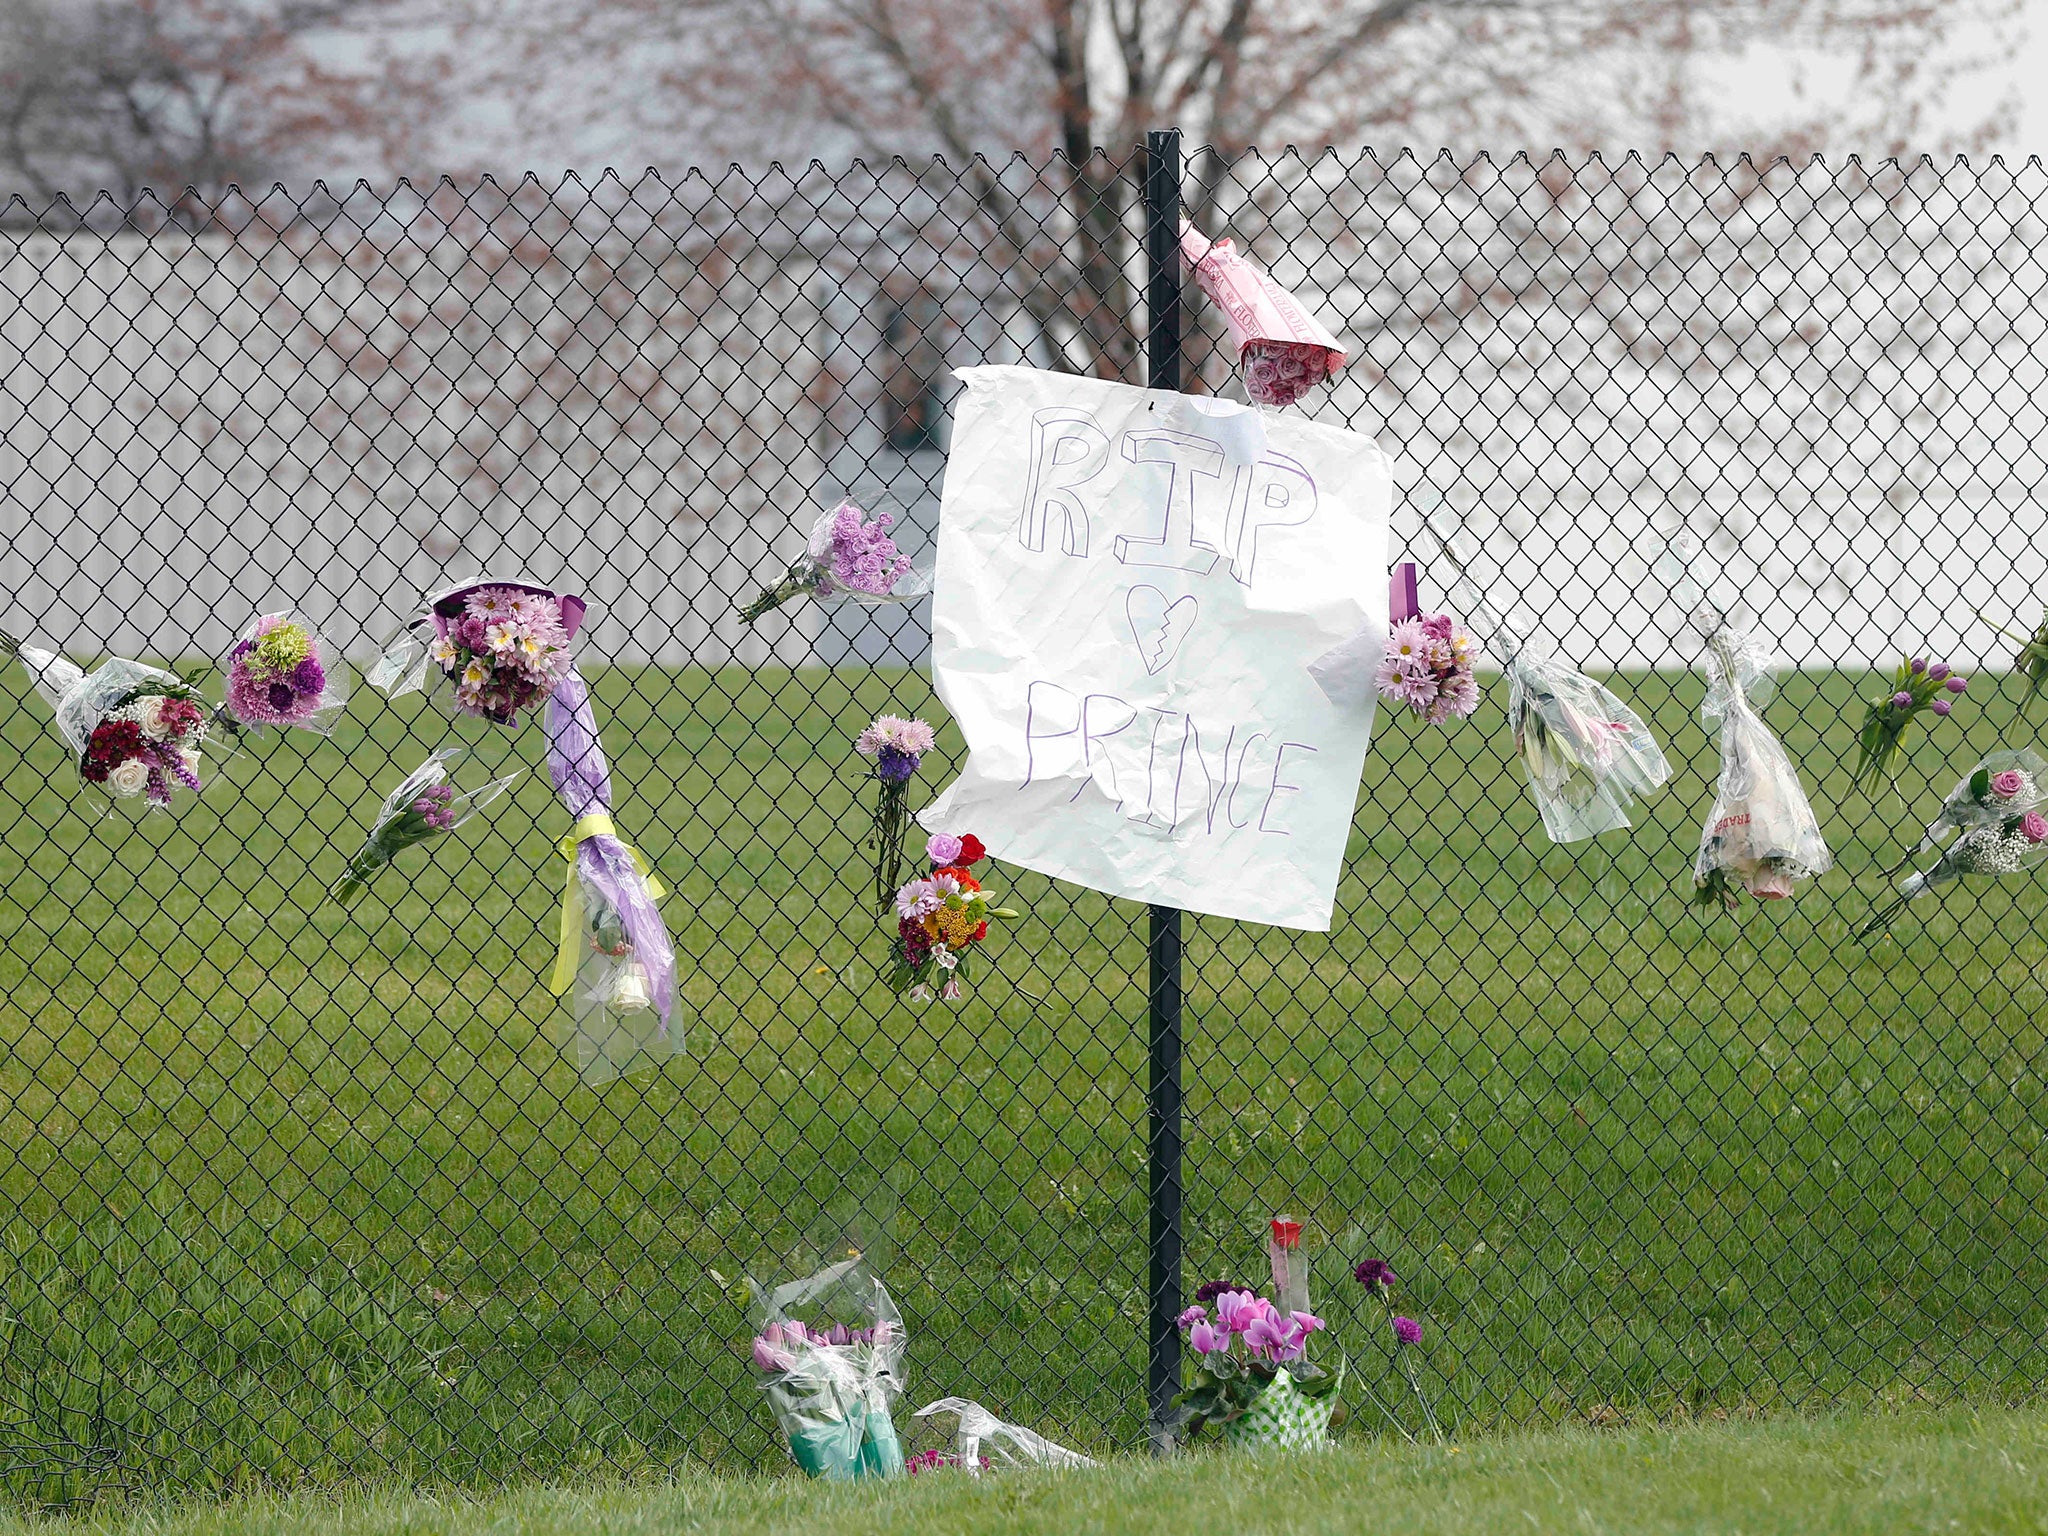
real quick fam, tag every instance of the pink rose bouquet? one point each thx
(1995, 817)
(1283, 351)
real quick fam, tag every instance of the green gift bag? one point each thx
(1282, 1419)
(832, 1451)
(881, 1454)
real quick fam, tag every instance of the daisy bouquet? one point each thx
(1761, 836)
(502, 647)
(829, 1352)
(1282, 350)
(135, 730)
(848, 556)
(615, 961)
(283, 672)
(1993, 824)
(1428, 668)
(940, 917)
(895, 746)
(1916, 686)
(425, 806)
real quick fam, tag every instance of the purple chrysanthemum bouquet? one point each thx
(282, 672)
(501, 647)
(426, 805)
(1995, 817)
(1917, 685)
(849, 556)
(616, 961)
(896, 746)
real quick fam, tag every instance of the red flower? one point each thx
(111, 744)
(971, 849)
(978, 934)
(958, 872)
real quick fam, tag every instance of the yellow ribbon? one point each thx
(570, 954)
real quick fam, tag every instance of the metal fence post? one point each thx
(1163, 1182)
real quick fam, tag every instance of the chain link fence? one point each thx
(291, 1192)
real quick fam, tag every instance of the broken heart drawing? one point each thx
(1159, 627)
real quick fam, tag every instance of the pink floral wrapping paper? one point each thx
(1254, 306)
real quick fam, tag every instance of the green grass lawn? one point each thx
(1981, 1472)
(291, 1192)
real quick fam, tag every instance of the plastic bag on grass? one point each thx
(982, 1440)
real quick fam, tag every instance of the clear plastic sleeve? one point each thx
(284, 672)
(1588, 755)
(616, 963)
(829, 1349)
(983, 1439)
(1992, 823)
(1761, 836)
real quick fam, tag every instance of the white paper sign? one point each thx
(1132, 587)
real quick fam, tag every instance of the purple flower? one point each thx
(1956, 684)
(1211, 1289)
(1192, 1316)
(895, 767)
(942, 848)
(1238, 1310)
(1938, 671)
(1407, 1330)
(864, 557)
(280, 696)
(1374, 1273)
(309, 677)
(770, 1359)
(1902, 700)
(1941, 706)
(1205, 1339)
(242, 648)
(1917, 665)
(1266, 1335)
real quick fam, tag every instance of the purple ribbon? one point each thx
(605, 864)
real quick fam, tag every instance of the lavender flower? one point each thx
(1407, 1330)
(847, 555)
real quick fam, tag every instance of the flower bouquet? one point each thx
(896, 746)
(829, 1349)
(1282, 350)
(1915, 686)
(849, 557)
(502, 646)
(1252, 1376)
(1587, 753)
(1379, 1279)
(1428, 668)
(980, 1431)
(135, 730)
(283, 672)
(423, 807)
(615, 959)
(1996, 817)
(1761, 836)
(940, 916)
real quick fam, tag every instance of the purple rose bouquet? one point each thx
(282, 672)
(848, 556)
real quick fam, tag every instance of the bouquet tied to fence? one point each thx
(135, 730)
(939, 918)
(1761, 835)
(848, 557)
(501, 647)
(829, 1349)
(1588, 755)
(1992, 823)
(1282, 350)
(284, 672)
(1916, 686)
(615, 960)
(426, 805)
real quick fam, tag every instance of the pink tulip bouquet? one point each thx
(1916, 686)
(829, 1349)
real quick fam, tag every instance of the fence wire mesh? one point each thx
(297, 1192)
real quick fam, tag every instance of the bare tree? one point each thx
(132, 96)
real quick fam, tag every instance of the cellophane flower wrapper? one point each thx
(400, 823)
(829, 1352)
(1587, 754)
(1282, 350)
(284, 672)
(848, 558)
(453, 654)
(1995, 822)
(623, 986)
(1761, 836)
(154, 755)
(983, 1440)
